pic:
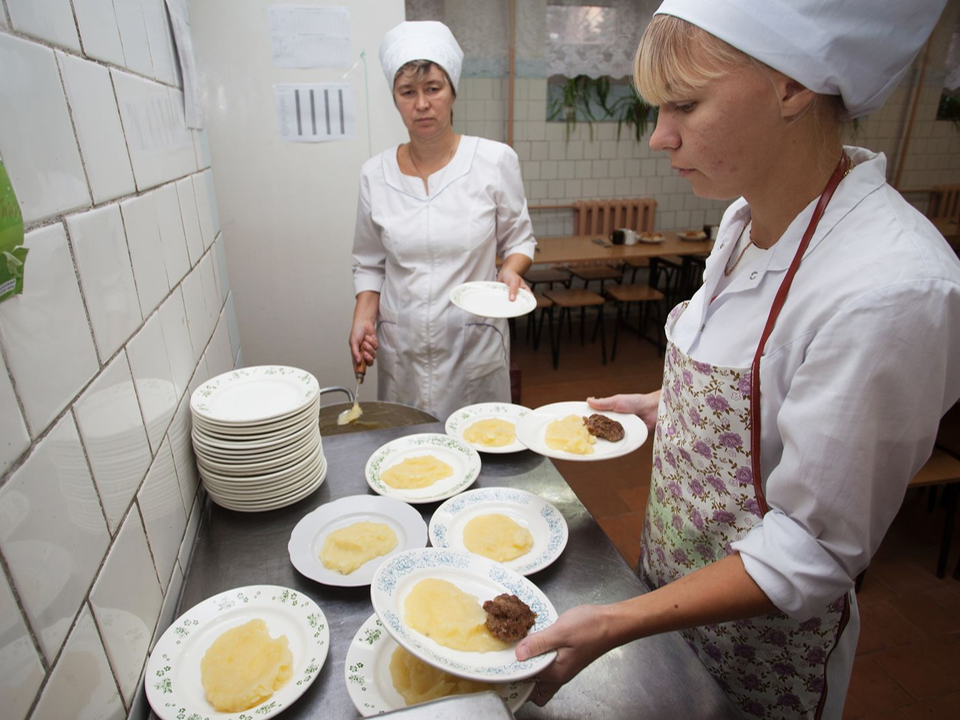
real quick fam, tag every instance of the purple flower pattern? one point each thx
(772, 666)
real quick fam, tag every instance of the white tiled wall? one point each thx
(126, 307)
(558, 170)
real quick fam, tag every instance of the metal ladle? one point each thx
(348, 416)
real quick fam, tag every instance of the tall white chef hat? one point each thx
(858, 49)
(423, 40)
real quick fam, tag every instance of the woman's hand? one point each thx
(643, 406)
(511, 273)
(513, 281)
(363, 335)
(579, 636)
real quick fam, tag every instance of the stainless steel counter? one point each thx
(655, 678)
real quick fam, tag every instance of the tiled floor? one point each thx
(908, 657)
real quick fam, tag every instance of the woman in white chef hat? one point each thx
(772, 488)
(433, 213)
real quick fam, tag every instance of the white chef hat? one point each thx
(858, 49)
(424, 40)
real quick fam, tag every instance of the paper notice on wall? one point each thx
(316, 112)
(180, 21)
(310, 36)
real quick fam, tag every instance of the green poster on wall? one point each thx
(12, 252)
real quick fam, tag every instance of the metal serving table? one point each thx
(658, 677)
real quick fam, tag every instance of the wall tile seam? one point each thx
(51, 665)
(73, 122)
(106, 654)
(14, 466)
(68, 51)
(63, 216)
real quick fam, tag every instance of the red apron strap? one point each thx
(838, 174)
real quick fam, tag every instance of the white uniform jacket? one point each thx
(414, 249)
(861, 364)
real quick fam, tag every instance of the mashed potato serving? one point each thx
(449, 616)
(570, 435)
(418, 682)
(492, 432)
(244, 666)
(348, 548)
(416, 472)
(497, 537)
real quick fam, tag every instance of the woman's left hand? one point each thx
(579, 636)
(512, 280)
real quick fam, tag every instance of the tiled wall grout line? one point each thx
(36, 440)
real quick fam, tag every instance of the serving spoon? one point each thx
(353, 413)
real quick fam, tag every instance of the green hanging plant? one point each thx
(573, 102)
(632, 111)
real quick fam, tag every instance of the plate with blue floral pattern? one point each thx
(478, 576)
(172, 678)
(463, 419)
(464, 460)
(370, 683)
(541, 518)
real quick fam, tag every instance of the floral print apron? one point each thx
(706, 494)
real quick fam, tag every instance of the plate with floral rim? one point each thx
(461, 420)
(370, 684)
(545, 523)
(172, 677)
(464, 460)
(478, 576)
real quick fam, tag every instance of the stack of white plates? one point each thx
(256, 433)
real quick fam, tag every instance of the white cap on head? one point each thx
(425, 40)
(858, 49)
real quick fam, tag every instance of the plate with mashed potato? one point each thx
(344, 541)
(575, 431)
(488, 427)
(423, 468)
(382, 676)
(510, 526)
(431, 601)
(247, 652)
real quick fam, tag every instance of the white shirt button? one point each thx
(753, 275)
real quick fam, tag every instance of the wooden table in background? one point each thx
(582, 248)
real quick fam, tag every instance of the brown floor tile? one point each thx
(892, 714)
(873, 691)
(945, 707)
(922, 609)
(883, 626)
(635, 498)
(925, 669)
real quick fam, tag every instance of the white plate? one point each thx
(273, 503)
(464, 460)
(370, 684)
(541, 518)
(254, 394)
(243, 467)
(248, 433)
(241, 490)
(216, 454)
(532, 428)
(307, 538)
(476, 575)
(655, 240)
(463, 418)
(254, 447)
(492, 299)
(173, 670)
(276, 474)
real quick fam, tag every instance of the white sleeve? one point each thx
(369, 257)
(858, 422)
(514, 229)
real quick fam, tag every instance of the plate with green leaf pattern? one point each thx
(173, 685)
(370, 682)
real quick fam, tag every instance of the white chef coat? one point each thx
(860, 366)
(414, 248)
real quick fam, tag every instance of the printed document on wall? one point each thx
(316, 112)
(310, 36)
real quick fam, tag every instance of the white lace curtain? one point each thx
(554, 37)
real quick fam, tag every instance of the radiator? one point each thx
(601, 217)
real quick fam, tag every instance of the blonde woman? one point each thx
(804, 381)
(433, 213)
